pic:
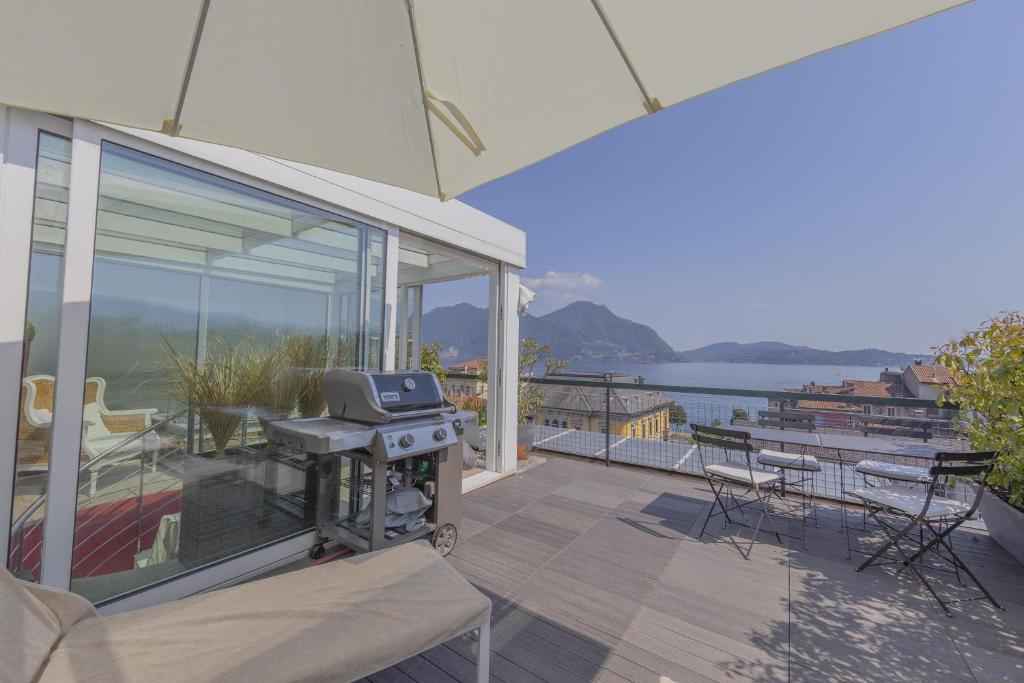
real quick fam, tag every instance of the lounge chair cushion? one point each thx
(911, 502)
(888, 470)
(788, 461)
(30, 631)
(740, 473)
(335, 622)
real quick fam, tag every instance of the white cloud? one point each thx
(562, 288)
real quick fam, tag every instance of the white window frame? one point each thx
(19, 131)
(19, 137)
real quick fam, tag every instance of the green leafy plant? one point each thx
(987, 370)
(677, 414)
(430, 360)
(740, 414)
(531, 396)
(30, 332)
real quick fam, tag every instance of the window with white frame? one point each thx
(216, 306)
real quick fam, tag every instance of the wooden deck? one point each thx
(597, 574)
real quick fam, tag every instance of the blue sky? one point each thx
(869, 196)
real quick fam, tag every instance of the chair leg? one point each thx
(919, 575)
(483, 652)
(765, 499)
(718, 500)
(941, 538)
(893, 540)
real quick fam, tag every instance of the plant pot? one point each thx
(524, 441)
(1005, 524)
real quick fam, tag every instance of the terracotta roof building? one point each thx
(915, 381)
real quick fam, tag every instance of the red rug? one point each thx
(105, 534)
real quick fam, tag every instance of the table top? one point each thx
(867, 444)
(783, 436)
(845, 442)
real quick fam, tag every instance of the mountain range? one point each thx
(585, 331)
(580, 331)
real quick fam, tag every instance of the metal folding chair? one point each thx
(797, 473)
(900, 510)
(735, 473)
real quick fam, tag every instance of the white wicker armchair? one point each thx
(104, 431)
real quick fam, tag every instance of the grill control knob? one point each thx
(440, 434)
(408, 384)
(406, 441)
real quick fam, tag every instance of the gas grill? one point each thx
(385, 432)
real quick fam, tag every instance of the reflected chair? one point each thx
(105, 432)
(934, 513)
(735, 473)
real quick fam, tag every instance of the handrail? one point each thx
(720, 391)
(37, 503)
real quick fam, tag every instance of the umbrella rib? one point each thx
(173, 126)
(651, 104)
(423, 97)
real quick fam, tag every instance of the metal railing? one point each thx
(109, 501)
(596, 419)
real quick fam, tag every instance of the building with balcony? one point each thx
(467, 386)
(637, 413)
(916, 380)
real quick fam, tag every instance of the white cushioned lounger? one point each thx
(335, 622)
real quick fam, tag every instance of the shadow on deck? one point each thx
(597, 574)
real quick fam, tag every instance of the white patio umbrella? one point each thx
(437, 96)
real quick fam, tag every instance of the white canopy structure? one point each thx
(436, 96)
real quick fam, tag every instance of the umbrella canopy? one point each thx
(436, 96)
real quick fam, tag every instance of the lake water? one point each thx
(767, 376)
(705, 408)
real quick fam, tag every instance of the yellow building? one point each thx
(637, 413)
(467, 386)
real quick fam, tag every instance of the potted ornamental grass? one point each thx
(222, 386)
(987, 370)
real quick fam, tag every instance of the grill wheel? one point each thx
(444, 538)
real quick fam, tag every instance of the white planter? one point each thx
(1005, 524)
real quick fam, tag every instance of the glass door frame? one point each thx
(19, 140)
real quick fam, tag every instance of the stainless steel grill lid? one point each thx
(380, 397)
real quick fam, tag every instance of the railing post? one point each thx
(139, 501)
(607, 420)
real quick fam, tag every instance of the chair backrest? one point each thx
(93, 408)
(951, 468)
(787, 420)
(34, 422)
(907, 427)
(731, 441)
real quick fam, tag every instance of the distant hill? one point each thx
(589, 331)
(778, 352)
(580, 331)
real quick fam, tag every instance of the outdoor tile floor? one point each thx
(597, 574)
